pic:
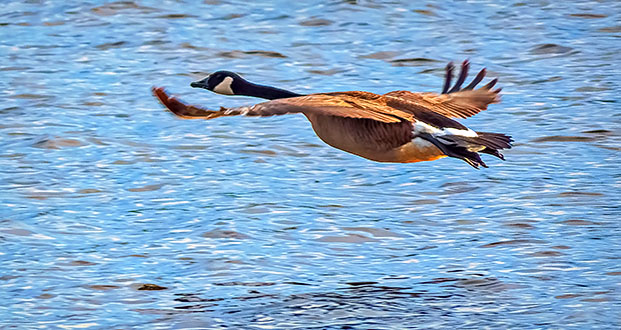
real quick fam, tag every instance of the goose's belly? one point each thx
(340, 133)
(417, 150)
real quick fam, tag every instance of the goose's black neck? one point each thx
(265, 92)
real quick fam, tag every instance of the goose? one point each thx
(398, 127)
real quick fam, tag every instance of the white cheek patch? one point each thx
(224, 87)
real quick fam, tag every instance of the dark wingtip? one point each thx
(461, 78)
(491, 84)
(465, 66)
(479, 77)
(160, 93)
(171, 103)
(448, 77)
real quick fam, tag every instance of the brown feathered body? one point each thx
(382, 136)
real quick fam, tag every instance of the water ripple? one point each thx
(114, 214)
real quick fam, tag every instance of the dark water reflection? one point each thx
(113, 214)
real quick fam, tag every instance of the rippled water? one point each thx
(114, 214)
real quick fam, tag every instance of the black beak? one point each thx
(199, 84)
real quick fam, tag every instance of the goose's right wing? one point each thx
(347, 105)
(455, 102)
(462, 104)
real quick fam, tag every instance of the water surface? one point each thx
(115, 214)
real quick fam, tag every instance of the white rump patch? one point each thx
(224, 87)
(421, 144)
(420, 127)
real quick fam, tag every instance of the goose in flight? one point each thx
(400, 126)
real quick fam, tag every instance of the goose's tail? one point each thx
(468, 148)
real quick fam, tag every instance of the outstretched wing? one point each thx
(347, 105)
(455, 102)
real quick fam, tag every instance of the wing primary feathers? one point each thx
(462, 76)
(448, 77)
(490, 84)
(476, 80)
(182, 110)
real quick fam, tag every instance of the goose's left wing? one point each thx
(347, 105)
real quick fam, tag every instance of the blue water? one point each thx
(254, 223)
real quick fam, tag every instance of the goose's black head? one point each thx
(221, 82)
(230, 83)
